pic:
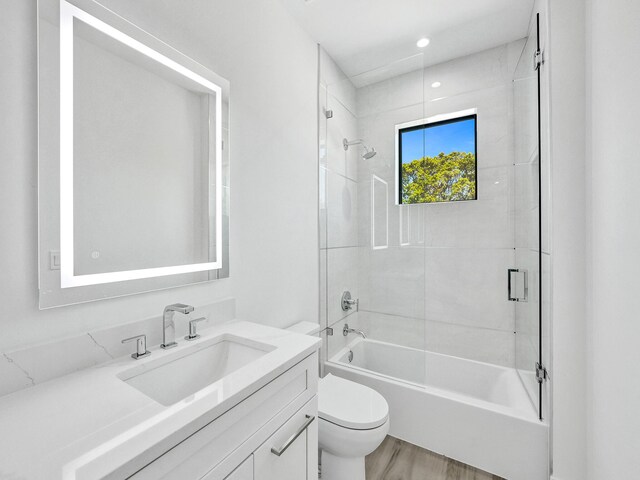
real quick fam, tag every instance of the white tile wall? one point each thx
(483, 223)
(526, 208)
(342, 274)
(405, 331)
(467, 286)
(480, 71)
(338, 341)
(392, 281)
(391, 94)
(485, 345)
(322, 125)
(379, 130)
(323, 173)
(342, 125)
(336, 82)
(481, 344)
(342, 209)
(494, 121)
(323, 289)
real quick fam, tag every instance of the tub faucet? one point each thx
(168, 326)
(346, 331)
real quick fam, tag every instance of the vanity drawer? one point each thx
(247, 424)
(243, 472)
(291, 453)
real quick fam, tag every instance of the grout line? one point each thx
(508, 330)
(343, 318)
(341, 175)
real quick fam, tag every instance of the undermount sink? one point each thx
(176, 377)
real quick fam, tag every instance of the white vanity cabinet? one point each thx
(291, 452)
(271, 434)
(243, 472)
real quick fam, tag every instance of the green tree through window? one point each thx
(443, 178)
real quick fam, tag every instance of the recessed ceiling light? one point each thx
(436, 84)
(423, 42)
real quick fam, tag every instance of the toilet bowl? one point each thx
(353, 422)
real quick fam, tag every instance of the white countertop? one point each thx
(87, 424)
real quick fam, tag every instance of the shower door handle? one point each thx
(517, 285)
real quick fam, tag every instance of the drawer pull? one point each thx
(281, 450)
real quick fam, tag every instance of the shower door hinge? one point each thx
(541, 373)
(328, 113)
(517, 285)
(538, 59)
(329, 331)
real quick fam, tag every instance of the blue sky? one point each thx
(429, 142)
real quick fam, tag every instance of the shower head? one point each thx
(368, 153)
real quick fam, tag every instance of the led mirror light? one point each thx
(68, 278)
(423, 42)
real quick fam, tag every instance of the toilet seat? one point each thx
(350, 405)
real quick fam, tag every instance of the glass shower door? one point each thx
(370, 247)
(524, 280)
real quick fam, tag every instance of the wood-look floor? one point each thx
(395, 459)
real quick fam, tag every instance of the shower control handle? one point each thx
(347, 302)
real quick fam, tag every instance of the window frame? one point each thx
(430, 122)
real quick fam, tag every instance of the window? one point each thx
(436, 159)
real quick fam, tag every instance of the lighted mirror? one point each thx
(133, 162)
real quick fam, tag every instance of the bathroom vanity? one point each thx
(247, 410)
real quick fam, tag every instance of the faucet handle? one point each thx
(141, 346)
(347, 303)
(192, 328)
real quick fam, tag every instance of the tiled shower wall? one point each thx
(438, 277)
(442, 277)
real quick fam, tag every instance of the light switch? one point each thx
(54, 260)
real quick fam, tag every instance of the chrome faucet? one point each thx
(346, 331)
(141, 346)
(168, 326)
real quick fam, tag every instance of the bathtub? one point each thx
(471, 411)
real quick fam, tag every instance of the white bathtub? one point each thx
(475, 412)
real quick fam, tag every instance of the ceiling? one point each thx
(363, 35)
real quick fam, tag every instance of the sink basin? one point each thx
(176, 377)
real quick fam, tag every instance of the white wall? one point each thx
(271, 65)
(566, 64)
(613, 354)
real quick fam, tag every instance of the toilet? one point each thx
(353, 420)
